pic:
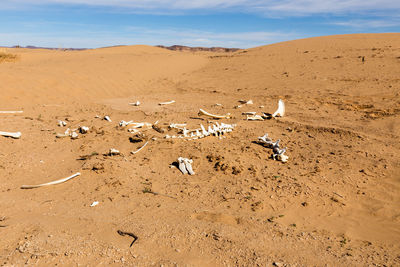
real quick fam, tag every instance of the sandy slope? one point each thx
(336, 202)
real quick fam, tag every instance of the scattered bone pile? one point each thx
(217, 129)
(278, 153)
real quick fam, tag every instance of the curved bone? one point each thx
(203, 112)
(16, 135)
(167, 103)
(134, 152)
(280, 112)
(51, 183)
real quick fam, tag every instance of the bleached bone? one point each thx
(145, 144)
(204, 131)
(246, 102)
(140, 124)
(254, 118)
(51, 183)
(107, 118)
(113, 152)
(124, 123)
(137, 103)
(249, 113)
(182, 167)
(218, 105)
(280, 112)
(188, 165)
(83, 129)
(167, 103)
(133, 130)
(238, 106)
(62, 123)
(11, 112)
(283, 158)
(16, 135)
(265, 140)
(74, 135)
(95, 203)
(179, 126)
(203, 112)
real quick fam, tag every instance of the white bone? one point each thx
(51, 183)
(203, 130)
(238, 106)
(203, 112)
(167, 103)
(133, 130)
(137, 103)
(198, 132)
(62, 123)
(16, 135)
(167, 136)
(107, 118)
(95, 203)
(188, 165)
(177, 125)
(83, 129)
(249, 113)
(74, 135)
(124, 123)
(246, 102)
(218, 105)
(185, 132)
(182, 167)
(145, 144)
(283, 158)
(254, 118)
(140, 124)
(280, 112)
(11, 112)
(113, 152)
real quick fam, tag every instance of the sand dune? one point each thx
(335, 202)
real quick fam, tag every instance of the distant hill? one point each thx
(188, 48)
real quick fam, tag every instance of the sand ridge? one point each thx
(334, 203)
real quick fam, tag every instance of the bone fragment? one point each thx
(62, 123)
(51, 183)
(246, 102)
(218, 105)
(95, 203)
(280, 112)
(179, 126)
(182, 167)
(83, 129)
(107, 118)
(203, 112)
(74, 135)
(188, 165)
(124, 123)
(10, 112)
(137, 103)
(238, 106)
(167, 103)
(249, 113)
(133, 130)
(254, 118)
(113, 152)
(16, 135)
(145, 144)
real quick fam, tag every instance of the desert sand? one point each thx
(336, 202)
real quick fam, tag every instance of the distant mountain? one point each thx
(188, 48)
(49, 48)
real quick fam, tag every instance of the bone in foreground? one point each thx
(167, 103)
(16, 135)
(203, 112)
(182, 166)
(11, 112)
(107, 118)
(280, 112)
(137, 103)
(51, 183)
(188, 165)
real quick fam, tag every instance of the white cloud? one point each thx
(268, 7)
(368, 24)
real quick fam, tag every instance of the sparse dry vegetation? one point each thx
(6, 57)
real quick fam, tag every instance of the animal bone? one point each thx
(134, 152)
(137, 103)
(188, 165)
(133, 130)
(140, 124)
(62, 123)
(74, 135)
(249, 113)
(51, 183)
(246, 102)
(83, 129)
(167, 103)
(254, 118)
(182, 166)
(113, 152)
(11, 112)
(177, 126)
(280, 112)
(107, 118)
(203, 130)
(124, 123)
(16, 135)
(203, 112)
(95, 203)
(278, 152)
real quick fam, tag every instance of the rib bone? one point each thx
(134, 152)
(16, 135)
(51, 183)
(203, 112)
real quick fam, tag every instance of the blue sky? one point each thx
(227, 23)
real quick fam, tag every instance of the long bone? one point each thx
(182, 167)
(203, 112)
(51, 183)
(11, 112)
(145, 144)
(137, 103)
(16, 135)
(167, 103)
(188, 165)
(254, 118)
